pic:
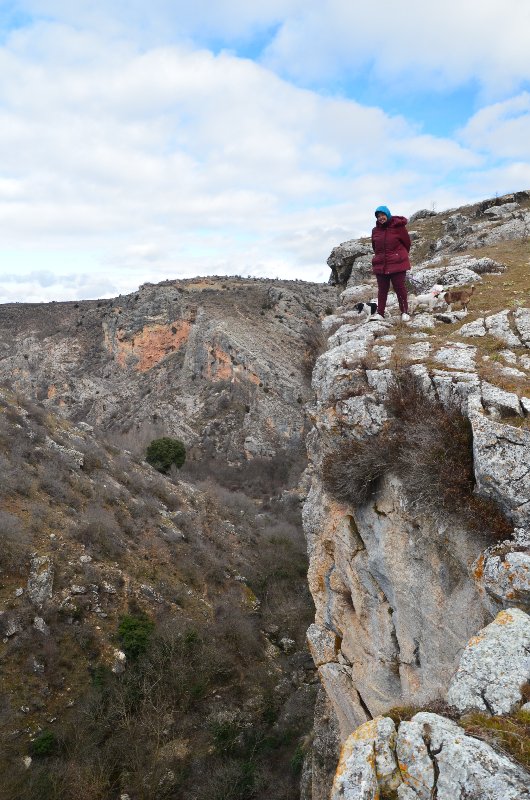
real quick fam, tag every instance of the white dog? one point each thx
(427, 301)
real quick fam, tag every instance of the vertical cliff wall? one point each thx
(400, 586)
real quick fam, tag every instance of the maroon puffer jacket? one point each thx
(391, 245)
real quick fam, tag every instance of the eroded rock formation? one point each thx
(400, 589)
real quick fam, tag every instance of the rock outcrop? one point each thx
(427, 757)
(400, 589)
(494, 666)
(217, 362)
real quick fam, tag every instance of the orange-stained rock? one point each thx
(151, 344)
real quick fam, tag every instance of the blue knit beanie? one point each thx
(383, 210)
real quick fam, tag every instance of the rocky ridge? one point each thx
(405, 596)
(217, 362)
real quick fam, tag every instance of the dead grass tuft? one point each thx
(429, 447)
(509, 733)
(314, 343)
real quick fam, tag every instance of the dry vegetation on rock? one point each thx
(429, 448)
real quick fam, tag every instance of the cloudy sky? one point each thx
(141, 141)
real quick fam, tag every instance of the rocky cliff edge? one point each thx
(422, 586)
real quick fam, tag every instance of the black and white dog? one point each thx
(366, 308)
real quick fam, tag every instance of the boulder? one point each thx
(505, 404)
(457, 356)
(472, 329)
(494, 666)
(368, 762)
(355, 294)
(422, 280)
(498, 325)
(342, 259)
(437, 760)
(503, 577)
(498, 212)
(423, 213)
(501, 455)
(40, 581)
(522, 324)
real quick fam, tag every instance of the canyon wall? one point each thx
(402, 585)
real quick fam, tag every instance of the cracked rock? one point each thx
(494, 666)
(437, 760)
(40, 581)
(506, 403)
(504, 578)
(368, 762)
(501, 457)
(498, 325)
(522, 324)
(457, 356)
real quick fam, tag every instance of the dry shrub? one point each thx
(429, 447)
(258, 477)
(314, 343)
(136, 438)
(15, 543)
(353, 471)
(99, 532)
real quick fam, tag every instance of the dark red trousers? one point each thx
(400, 288)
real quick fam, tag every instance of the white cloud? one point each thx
(502, 129)
(165, 20)
(41, 286)
(431, 45)
(168, 161)
(171, 132)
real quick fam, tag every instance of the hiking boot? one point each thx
(375, 317)
(405, 318)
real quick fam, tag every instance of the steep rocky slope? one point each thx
(208, 566)
(418, 515)
(151, 630)
(218, 362)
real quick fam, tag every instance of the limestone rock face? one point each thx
(367, 762)
(400, 592)
(501, 460)
(494, 666)
(40, 581)
(437, 759)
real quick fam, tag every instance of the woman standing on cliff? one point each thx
(391, 245)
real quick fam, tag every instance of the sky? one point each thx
(141, 142)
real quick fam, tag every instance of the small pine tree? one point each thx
(45, 744)
(164, 452)
(134, 632)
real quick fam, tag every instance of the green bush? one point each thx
(134, 632)
(163, 453)
(44, 745)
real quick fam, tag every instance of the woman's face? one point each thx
(380, 217)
